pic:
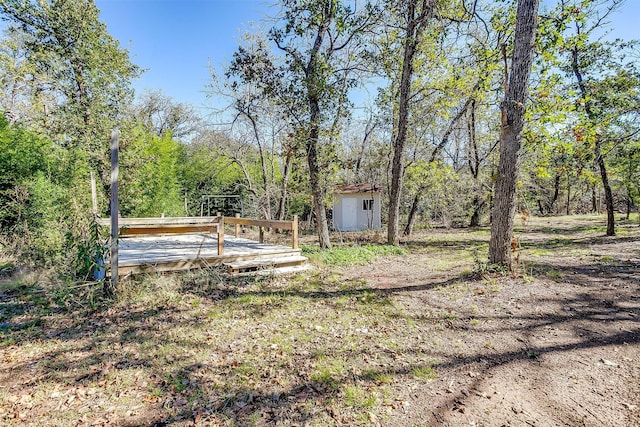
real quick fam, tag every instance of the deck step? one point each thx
(276, 271)
(260, 264)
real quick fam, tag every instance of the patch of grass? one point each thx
(474, 309)
(358, 397)
(374, 298)
(492, 285)
(245, 371)
(608, 260)
(352, 255)
(538, 252)
(377, 376)
(329, 373)
(449, 316)
(176, 383)
(423, 373)
(554, 274)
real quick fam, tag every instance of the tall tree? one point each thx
(90, 74)
(591, 61)
(416, 16)
(513, 110)
(320, 44)
(23, 97)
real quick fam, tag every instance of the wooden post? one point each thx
(110, 288)
(220, 235)
(294, 232)
(261, 235)
(94, 195)
(237, 227)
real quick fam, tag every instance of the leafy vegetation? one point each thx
(429, 139)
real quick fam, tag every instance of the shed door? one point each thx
(349, 213)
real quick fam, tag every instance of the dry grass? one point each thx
(315, 349)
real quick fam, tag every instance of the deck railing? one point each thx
(263, 224)
(129, 227)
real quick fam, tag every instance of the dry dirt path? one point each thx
(557, 344)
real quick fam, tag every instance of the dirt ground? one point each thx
(434, 337)
(556, 344)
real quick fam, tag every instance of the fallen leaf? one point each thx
(459, 406)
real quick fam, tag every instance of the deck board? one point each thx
(185, 251)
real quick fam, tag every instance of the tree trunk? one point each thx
(312, 81)
(568, 194)
(478, 204)
(513, 109)
(415, 28)
(556, 192)
(317, 189)
(628, 212)
(283, 188)
(413, 214)
(266, 208)
(397, 168)
(474, 166)
(608, 195)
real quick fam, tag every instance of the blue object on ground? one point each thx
(99, 271)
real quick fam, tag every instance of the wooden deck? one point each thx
(151, 254)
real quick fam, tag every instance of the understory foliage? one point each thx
(296, 124)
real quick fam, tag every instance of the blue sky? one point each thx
(175, 40)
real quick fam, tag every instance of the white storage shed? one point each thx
(357, 207)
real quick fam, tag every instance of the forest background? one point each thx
(292, 132)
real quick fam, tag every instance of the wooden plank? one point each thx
(294, 232)
(132, 267)
(275, 271)
(165, 220)
(221, 236)
(169, 226)
(162, 267)
(166, 229)
(261, 262)
(282, 225)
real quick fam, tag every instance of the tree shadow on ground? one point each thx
(601, 273)
(108, 342)
(245, 405)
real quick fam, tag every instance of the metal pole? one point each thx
(114, 212)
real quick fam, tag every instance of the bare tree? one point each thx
(161, 114)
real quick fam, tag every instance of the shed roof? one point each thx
(366, 187)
